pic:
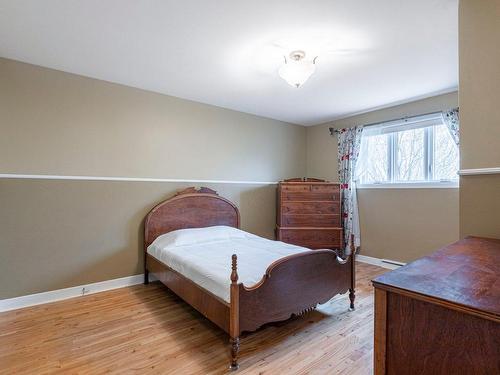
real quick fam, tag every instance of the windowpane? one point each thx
(446, 160)
(409, 154)
(376, 147)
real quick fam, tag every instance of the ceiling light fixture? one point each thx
(296, 70)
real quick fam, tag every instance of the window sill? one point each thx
(412, 185)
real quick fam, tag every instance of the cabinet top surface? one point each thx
(466, 273)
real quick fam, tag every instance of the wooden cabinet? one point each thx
(308, 213)
(441, 314)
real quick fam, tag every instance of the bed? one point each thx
(286, 280)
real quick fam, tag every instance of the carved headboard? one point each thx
(190, 208)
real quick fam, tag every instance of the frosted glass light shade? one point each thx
(296, 72)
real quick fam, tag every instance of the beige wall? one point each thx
(479, 36)
(56, 234)
(59, 123)
(398, 224)
(406, 224)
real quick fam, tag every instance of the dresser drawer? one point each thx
(296, 188)
(291, 207)
(309, 196)
(312, 238)
(310, 220)
(325, 188)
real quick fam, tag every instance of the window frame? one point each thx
(428, 160)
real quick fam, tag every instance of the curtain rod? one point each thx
(333, 130)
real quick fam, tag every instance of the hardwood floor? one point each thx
(148, 330)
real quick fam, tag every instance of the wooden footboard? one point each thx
(293, 285)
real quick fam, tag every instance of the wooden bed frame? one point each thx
(292, 285)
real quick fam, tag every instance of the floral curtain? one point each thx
(452, 121)
(349, 142)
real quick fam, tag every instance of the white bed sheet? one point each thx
(208, 263)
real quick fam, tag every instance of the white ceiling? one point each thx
(372, 53)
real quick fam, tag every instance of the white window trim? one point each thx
(412, 185)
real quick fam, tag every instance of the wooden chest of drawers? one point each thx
(441, 314)
(308, 213)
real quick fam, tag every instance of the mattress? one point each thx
(203, 255)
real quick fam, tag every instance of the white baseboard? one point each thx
(385, 263)
(76, 291)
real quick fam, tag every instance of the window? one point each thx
(411, 151)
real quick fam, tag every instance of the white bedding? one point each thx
(203, 255)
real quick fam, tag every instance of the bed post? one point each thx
(146, 272)
(352, 296)
(234, 315)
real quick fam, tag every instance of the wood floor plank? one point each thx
(148, 330)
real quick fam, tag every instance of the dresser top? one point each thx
(465, 273)
(302, 180)
(307, 183)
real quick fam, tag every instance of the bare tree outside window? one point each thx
(409, 155)
(377, 170)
